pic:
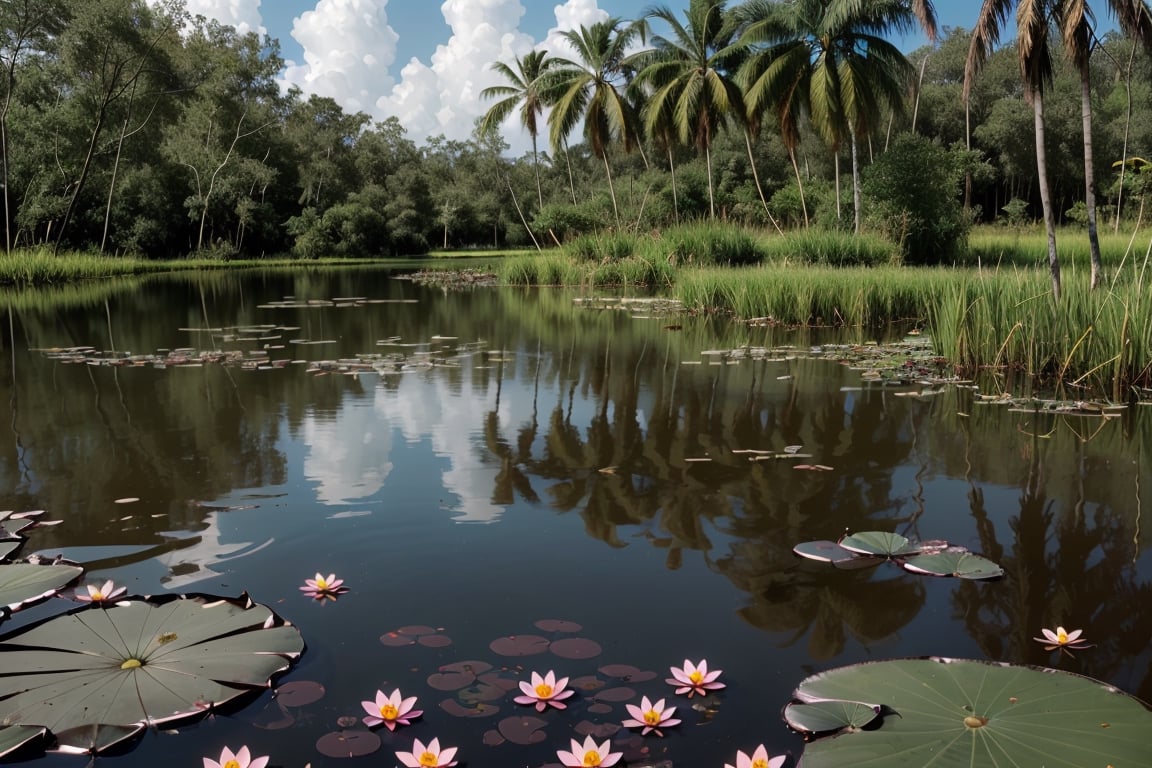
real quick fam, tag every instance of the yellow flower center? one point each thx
(389, 712)
(652, 717)
(543, 691)
(591, 758)
(696, 677)
(98, 595)
(759, 764)
(1062, 637)
(321, 584)
(131, 664)
(429, 759)
(231, 764)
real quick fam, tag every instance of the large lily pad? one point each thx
(879, 544)
(971, 714)
(14, 737)
(144, 662)
(22, 584)
(954, 561)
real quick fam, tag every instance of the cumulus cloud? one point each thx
(348, 52)
(242, 14)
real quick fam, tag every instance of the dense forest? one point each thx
(130, 128)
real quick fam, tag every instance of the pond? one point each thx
(598, 487)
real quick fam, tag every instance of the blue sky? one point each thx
(427, 61)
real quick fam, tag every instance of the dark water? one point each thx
(544, 468)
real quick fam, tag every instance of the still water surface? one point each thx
(535, 461)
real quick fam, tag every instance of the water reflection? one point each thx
(618, 425)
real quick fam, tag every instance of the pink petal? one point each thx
(409, 759)
(525, 700)
(447, 755)
(528, 690)
(557, 704)
(259, 762)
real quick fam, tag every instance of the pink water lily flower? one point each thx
(390, 711)
(104, 594)
(544, 691)
(1062, 639)
(321, 587)
(651, 717)
(694, 678)
(241, 759)
(759, 759)
(589, 754)
(430, 756)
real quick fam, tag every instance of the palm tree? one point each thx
(827, 60)
(523, 90)
(1077, 28)
(592, 90)
(690, 78)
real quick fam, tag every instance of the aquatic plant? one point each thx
(589, 754)
(242, 758)
(1062, 639)
(650, 716)
(694, 679)
(428, 756)
(758, 759)
(930, 558)
(545, 691)
(103, 594)
(322, 587)
(391, 710)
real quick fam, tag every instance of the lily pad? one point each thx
(962, 714)
(953, 562)
(879, 544)
(144, 662)
(831, 552)
(828, 716)
(22, 584)
(9, 548)
(13, 737)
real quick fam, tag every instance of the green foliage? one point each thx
(914, 189)
(1015, 212)
(565, 221)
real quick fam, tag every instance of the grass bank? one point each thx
(999, 315)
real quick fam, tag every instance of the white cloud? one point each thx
(348, 52)
(242, 14)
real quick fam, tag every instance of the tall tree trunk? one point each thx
(536, 167)
(675, 197)
(711, 198)
(799, 185)
(756, 178)
(1045, 194)
(1127, 126)
(612, 190)
(1090, 178)
(78, 185)
(836, 175)
(571, 181)
(857, 194)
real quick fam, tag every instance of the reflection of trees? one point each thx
(1069, 563)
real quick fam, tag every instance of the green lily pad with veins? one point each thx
(879, 544)
(948, 713)
(952, 562)
(124, 666)
(22, 584)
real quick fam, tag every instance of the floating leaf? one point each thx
(22, 584)
(478, 709)
(959, 563)
(827, 716)
(576, 648)
(879, 544)
(558, 625)
(523, 730)
(519, 645)
(13, 737)
(434, 641)
(960, 714)
(299, 693)
(153, 662)
(348, 743)
(831, 552)
(9, 548)
(93, 738)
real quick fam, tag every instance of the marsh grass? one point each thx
(40, 266)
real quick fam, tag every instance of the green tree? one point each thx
(827, 60)
(1077, 28)
(690, 75)
(26, 29)
(592, 89)
(1034, 52)
(524, 90)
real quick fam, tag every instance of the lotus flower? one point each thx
(104, 594)
(759, 759)
(651, 717)
(544, 691)
(589, 754)
(427, 756)
(241, 759)
(390, 711)
(320, 587)
(1062, 639)
(692, 679)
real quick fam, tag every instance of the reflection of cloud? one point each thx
(348, 453)
(193, 563)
